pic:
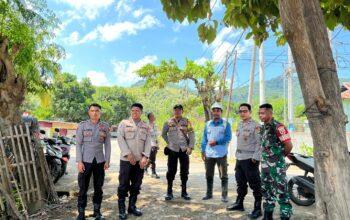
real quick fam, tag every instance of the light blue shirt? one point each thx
(221, 133)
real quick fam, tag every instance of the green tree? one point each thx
(204, 78)
(71, 98)
(115, 103)
(304, 26)
(28, 58)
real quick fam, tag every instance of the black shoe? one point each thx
(256, 213)
(121, 206)
(284, 218)
(184, 193)
(207, 197)
(169, 196)
(81, 215)
(97, 213)
(132, 206)
(209, 194)
(154, 175)
(237, 206)
(224, 199)
(268, 215)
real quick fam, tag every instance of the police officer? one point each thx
(216, 137)
(135, 145)
(276, 144)
(179, 136)
(154, 144)
(91, 137)
(248, 155)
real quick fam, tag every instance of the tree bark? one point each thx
(306, 33)
(12, 89)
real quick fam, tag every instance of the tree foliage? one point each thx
(204, 78)
(260, 17)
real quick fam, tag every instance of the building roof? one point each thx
(345, 90)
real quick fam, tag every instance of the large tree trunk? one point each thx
(306, 33)
(12, 88)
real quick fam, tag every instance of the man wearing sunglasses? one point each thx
(247, 165)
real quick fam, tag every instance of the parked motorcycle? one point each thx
(302, 188)
(53, 155)
(63, 143)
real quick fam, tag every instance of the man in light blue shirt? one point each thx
(216, 137)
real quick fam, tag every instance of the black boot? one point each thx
(237, 206)
(121, 206)
(81, 215)
(184, 193)
(268, 215)
(256, 213)
(224, 189)
(209, 194)
(169, 194)
(97, 212)
(132, 206)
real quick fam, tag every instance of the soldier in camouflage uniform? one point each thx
(276, 144)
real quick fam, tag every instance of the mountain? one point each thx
(274, 89)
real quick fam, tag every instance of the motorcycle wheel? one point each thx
(55, 171)
(295, 195)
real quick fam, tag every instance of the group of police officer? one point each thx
(267, 144)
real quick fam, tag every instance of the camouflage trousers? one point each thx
(274, 187)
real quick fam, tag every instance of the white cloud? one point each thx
(124, 7)
(68, 56)
(139, 12)
(73, 37)
(97, 78)
(216, 5)
(125, 70)
(111, 32)
(174, 40)
(223, 44)
(177, 26)
(90, 8)
(201, 61)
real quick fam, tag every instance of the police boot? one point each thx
(268, 215)
(224, 189)
(184, 193)
(97, 213)
(169, 194)
(256, 213)
(81, 215)
(237, 206)
(209, 194)
(121, 206)
(132, 206)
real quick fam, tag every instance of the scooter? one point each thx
(302, 188)
(53, 155)
(63, 143)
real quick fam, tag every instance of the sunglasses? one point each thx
(243, 111)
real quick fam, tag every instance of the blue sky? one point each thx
(107, 40)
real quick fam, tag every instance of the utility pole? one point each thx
(224, 80)
(290, 91)
(231, 87)
(262, 75)
(251, 81)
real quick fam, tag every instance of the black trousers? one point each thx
(210, 167)
(248, 172)
(173, 159)
(98, 171)
(130, 179)
(152, 159)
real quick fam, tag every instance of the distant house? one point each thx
(66, 128)
(345, 95)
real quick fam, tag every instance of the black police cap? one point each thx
(178, 106)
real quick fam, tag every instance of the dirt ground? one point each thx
(151, 200)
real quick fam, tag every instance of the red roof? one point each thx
(346, 94)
